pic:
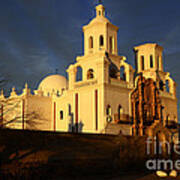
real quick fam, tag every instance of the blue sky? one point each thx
(38, 36)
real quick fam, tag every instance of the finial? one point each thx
(13, 89)
(13, 92)
(26, 85)
(100, 10)
(2, 92)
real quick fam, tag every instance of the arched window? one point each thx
(58, 93)
(61, 115)
(90, 74)
(108, 110)
(161, 85)
(69, 109)
(151, 61)
(142, 63)
(120, 111)
(91, 42)
(101, 41)
(109, 113)
(167, 86)
(162, 113)
(122, 73)
(79, 74)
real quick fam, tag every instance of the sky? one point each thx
(39, 36)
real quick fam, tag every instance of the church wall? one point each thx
(87, 108)
(95, 33)
(12, 112)
(89, 64)
(115, 96)
(112, 33)
(158, 56)
(62, 113)
(39, 110)
(88, 121)
(146, 52)
(170, 108)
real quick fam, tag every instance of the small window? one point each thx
(90, 74)
(61, 115)
(108, 110)
(161, 85)
(91, 42)
(101, 40)
(167, 86)
(109, 113)
(151, 62)
(122, 73)
(120, 110)
(142, 63)
(58, 93)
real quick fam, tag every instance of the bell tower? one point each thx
(100, 35)
(149, 58)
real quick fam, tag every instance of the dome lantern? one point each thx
(100, 10)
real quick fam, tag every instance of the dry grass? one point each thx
(50, 155)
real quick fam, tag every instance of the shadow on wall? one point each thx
(73, 126)
(113, 70)
(76, 128)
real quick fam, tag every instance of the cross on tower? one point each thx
(100, 1)
(56, 71)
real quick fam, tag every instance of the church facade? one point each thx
(103, 93)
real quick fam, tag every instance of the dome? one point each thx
(53, 83)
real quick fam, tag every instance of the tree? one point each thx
(13, 113)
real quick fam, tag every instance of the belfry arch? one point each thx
(91, 45)
(79, 73)
(101, 41)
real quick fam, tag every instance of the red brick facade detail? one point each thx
(146, 105)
